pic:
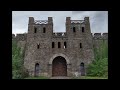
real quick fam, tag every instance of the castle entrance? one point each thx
(59, 66)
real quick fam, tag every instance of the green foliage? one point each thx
(18, 71)
(16, 74)
(99, 66)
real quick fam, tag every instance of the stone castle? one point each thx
(47, 53)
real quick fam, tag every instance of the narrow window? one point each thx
(65, 46)
(38, 46)
(80, 45)
(44, 29)
(35, 30)
(82, 29)
(73, 29)
(59, 46)
(53, 45)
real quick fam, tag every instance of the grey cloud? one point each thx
(98, 19)
(100, 22)
(59, 24)
(77, 12)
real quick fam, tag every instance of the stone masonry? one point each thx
(58, 54)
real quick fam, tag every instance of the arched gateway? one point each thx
(59, 66)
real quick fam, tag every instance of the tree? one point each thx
(99, 66)
(18, 70)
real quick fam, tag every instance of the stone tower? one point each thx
(58, 54)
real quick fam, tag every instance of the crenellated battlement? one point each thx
(19, 37)
(60, 34)
(41, 22)
(100, 36)
(38, 22)
(69, 21)
(97, 36)
(105, 35)
(77, 21)
(13, 36)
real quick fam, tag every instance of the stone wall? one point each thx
(21, 37)
(99, 39)
(38, 45)
(13, 36)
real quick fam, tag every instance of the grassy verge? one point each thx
(40, 77)
(88, 77)
(82, 77)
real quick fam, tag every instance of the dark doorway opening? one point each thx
(37, 69)
(82, 69)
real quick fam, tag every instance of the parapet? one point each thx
(13, 36)
(77, 21)
(105, 35)
(97, 35)
(21, 37)
(41, 22)
(60, 34)
(37, 22)
(69, 21)
(100, 36)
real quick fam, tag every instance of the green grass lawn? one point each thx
(88, 77)
(82, 77)
(40, 77)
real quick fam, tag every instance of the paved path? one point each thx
(60, 77)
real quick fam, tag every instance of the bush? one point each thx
(18, 70)
(99, 66)
(16, 74)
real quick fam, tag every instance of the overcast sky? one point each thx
(98, 19)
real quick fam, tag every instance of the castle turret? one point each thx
(40, 28)
(88, 34)
(68, 25)
(31, 25)
(50, 20)
(50, 26)
(74, 28)
(31, 20)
